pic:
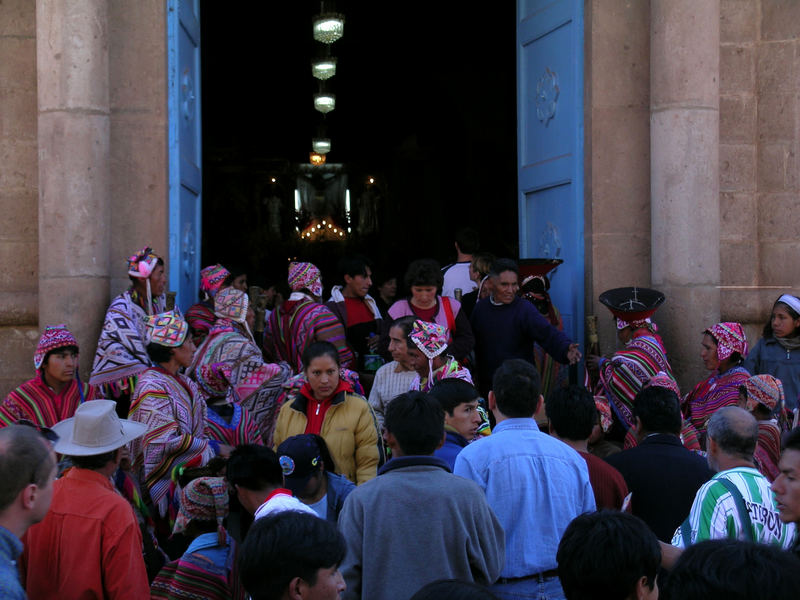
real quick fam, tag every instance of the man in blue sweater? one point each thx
(506, 326)
(462, 419)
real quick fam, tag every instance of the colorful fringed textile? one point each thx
(207, 574)
(256, 383)
(712, 394)
(296, 325)
(176, 416)
(627, 371)
(35, 401)
(451, 369)
(242, 429)
(553, 374)
(768, 449)
(121, 349)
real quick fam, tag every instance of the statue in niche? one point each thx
(274, 210)
(368, 211)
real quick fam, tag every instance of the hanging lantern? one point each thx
(324, 102)
(316, 158)
(323, 68)
(328, 27)
(321, 145)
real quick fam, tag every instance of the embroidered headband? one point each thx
(231, 304)
(763, 389)
(166, 329)
(203, 499)
(730, 338)
(304, 275)
(212, 278)
(791, 301)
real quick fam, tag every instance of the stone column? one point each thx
(684, 164)
(72, 65)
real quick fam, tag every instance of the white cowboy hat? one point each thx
(95, 429)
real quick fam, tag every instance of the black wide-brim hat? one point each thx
(632, 303)
(537, 266)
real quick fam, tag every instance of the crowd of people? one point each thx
(385, 447)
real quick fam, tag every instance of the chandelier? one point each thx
(316, 159)
(321, 145)
(328, 27)
(324, 102)
(323, 68)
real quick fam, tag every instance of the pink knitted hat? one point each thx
(304, 275)
(54, 336)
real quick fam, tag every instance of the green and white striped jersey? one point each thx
(714, 514)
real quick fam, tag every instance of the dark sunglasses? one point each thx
(48, 434)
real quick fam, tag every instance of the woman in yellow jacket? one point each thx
(328, 406)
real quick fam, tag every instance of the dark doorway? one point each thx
(425, 105)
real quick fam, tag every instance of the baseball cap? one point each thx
(300, 458)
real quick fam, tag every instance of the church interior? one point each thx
(422, 137)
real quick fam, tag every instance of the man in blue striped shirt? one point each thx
(535, 484)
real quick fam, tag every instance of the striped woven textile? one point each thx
(256, 383)
(714, 515)
(296, 325)
(169, 405)
(197, 576)
(241, 429)
(768, 449)
(710, 395)
(35, 401)
(626, 372)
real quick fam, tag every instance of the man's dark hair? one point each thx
(352, 266)
(286, 545)
(452, 392)
(791, 440)
(416, 420)
(516, 386)
(406, 324)
(453, 589)
(424, 272)
(501, 265)
(73, 349)
(603, 555)
(158, 353)
(735, 431)
(254, 468)
(24, 459)
(728, 569)
(94, 462)
(659, 409)
(468, 240)
(234, 271)
(572, 412)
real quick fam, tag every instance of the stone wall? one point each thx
(94, 130)
(617, 168)
(759, 157)
(139, 158)
(19, 235)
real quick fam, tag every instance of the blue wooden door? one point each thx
(185, 157)
(550, 147)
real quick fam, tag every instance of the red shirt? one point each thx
(357, 311)
(88, 546)
(608, 484)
